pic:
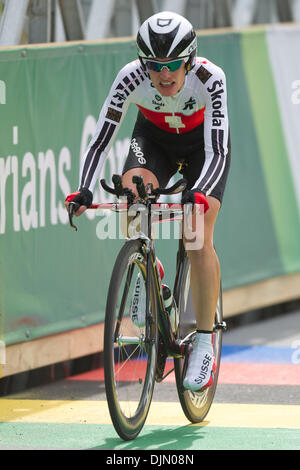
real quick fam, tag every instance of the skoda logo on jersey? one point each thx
(157, 102)
(189, 104)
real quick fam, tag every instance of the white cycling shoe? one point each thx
(202, 364)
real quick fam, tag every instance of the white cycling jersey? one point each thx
(202, 99)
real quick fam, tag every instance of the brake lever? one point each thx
(73, 207)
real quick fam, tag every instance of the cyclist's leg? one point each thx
(146, 158)
(148, 177)
(205, 285)
(205, 271)
(205, 266)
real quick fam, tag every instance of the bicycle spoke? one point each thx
(126, 360)
(124, 298)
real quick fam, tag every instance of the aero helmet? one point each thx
(164, 35)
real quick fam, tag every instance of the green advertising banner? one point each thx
(53, 279)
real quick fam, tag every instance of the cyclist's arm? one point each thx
(111, 116)
(216, 129)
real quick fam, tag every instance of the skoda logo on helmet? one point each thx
(163, 22)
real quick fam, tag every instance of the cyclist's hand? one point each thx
(194, 196)
(83, 198)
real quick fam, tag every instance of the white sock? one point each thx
(204, 341)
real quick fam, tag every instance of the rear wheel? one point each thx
(195, 405)
(129, 355)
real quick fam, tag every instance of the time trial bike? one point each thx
(135, 355)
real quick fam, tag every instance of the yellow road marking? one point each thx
(96, 412)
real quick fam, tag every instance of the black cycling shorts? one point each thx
(162, 152)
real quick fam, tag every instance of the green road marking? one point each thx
(103, 436)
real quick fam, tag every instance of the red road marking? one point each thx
(138, 368)
(259, 374)
(230, 373)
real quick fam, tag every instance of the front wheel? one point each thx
(195, 405)
(129, 352)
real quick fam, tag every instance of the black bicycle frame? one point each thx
(173, 347)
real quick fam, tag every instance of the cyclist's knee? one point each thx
(147, 175)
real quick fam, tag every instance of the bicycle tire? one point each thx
(129, 368)
(195, 405)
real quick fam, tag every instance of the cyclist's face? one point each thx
(166, 82)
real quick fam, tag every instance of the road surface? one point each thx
(256, 406)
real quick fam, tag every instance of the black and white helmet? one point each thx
(164, 35)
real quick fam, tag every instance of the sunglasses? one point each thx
(172, 65)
